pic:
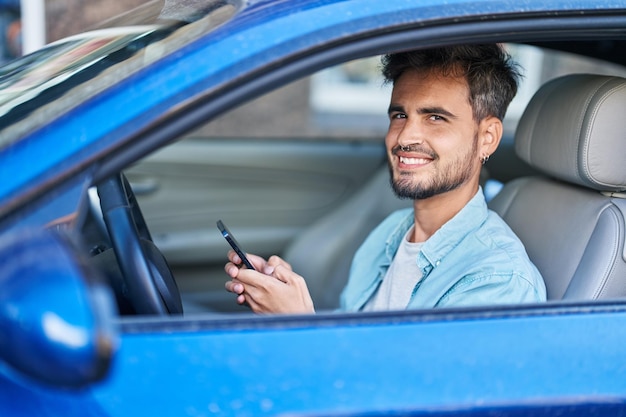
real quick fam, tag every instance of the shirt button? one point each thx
(437, 263)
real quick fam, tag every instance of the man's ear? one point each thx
(490, 129)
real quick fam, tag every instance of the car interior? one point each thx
(301, 172)
(579, 196)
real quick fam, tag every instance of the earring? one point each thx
(484, 159)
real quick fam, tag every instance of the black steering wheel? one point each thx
(149, 285)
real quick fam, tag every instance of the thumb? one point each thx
(282, 273)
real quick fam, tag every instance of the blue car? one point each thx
(121, 147)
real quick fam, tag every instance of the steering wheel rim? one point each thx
(132, 243)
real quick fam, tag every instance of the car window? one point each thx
(351, 99)
(264, 169)
(90, 62)
(541, 65)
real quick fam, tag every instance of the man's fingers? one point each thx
(234, 287)
(277, 260)
(241, 299)
(279, 290)
(257, 261)
(231, 270)
(286, 275)
(281, 273)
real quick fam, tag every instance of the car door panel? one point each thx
(266, 191)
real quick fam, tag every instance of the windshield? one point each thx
(58, 72)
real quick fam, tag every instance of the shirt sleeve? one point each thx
(492, 289)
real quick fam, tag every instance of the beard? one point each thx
(446, 177)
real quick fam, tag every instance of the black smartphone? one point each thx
(233, 244)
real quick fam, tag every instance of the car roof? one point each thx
(205, 69)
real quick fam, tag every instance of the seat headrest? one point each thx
(574, 129)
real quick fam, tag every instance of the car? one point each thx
(121, 147)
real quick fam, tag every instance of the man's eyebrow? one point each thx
(423, 110)
(436, 110)
(395, 108)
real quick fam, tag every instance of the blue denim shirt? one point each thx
(473, 259)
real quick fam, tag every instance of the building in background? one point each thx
(69, 17)
(27, 25)
(10, 30)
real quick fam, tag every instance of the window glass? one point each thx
(541, 65)
(350, 100)
(70, 70)
(294, 159)
(347, 101)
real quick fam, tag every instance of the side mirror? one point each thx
(55, 314)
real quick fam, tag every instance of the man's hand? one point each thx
(272, 288)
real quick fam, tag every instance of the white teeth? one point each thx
(413, 161)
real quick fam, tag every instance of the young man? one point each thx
(445, 120)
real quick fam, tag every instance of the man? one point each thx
(445, 120)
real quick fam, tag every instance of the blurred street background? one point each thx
(67, 17)
(26, 25)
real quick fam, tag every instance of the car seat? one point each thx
(571, 217)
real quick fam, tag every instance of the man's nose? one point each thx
(411, 133)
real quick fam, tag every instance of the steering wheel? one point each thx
(149, 285)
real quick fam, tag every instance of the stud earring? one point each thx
(484, 159)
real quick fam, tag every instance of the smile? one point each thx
(414, 161)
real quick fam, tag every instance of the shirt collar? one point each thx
(448, 236)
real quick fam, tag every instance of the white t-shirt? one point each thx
(402, 276)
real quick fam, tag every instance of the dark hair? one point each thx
(491, 74)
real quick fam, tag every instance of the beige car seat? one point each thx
(571, 218)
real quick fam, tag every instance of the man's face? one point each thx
(432, 141)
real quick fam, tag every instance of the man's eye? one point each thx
(436, 117)
(397, 116)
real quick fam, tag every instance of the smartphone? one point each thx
(233, 244)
